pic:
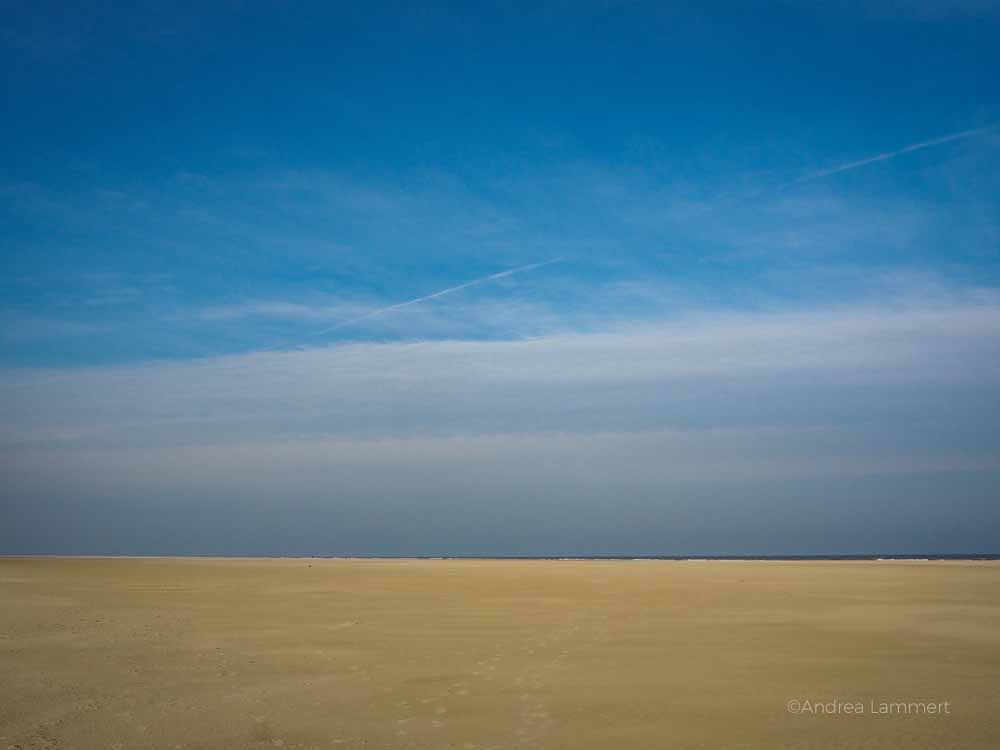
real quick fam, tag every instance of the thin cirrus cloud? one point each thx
(654, 373)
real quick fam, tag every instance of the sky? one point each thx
(500, 278)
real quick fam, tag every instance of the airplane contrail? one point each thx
(890, 154)
(435, 295)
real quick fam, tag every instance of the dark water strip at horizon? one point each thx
(680, 558)
(626, 558)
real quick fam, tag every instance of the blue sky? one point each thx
(706, 278)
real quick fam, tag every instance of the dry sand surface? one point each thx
(411, 655)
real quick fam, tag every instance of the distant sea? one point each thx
(904, 556)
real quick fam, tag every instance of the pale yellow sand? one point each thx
(197, 653)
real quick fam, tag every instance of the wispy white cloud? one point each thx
(15, 329)
(339, 254)
(656, 374)
(275, 309)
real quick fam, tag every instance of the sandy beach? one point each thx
(431, 654)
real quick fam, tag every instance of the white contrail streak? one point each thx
(435, 295)
(890, 154)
